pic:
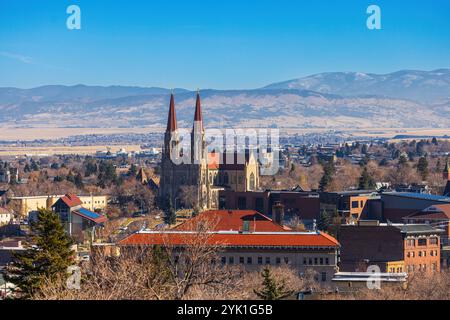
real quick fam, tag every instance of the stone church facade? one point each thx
(201, 179)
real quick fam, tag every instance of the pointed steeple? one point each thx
(446, 172)
(198, 111)
(172, 119)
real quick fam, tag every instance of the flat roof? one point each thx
(423, 196)
(369, 276)
(350, 192)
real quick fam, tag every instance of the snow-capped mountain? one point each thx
(423, 86)
(328, 100)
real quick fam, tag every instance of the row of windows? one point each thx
(259, 260)
(421, 267)
(357, 204)
(96, 202)
(316, 261)
(412, 254)
(421, 242)
(267, 260)
(395, 270)
(219, 179)
(277, 260)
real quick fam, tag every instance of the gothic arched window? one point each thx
(252, 181)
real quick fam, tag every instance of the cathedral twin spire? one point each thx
(172, 118)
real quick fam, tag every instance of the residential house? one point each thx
(78, 221)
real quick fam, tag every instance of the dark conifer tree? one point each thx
(272, 289)
(47, 255)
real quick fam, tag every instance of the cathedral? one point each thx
(197, 183)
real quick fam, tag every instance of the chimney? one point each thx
(278, 212)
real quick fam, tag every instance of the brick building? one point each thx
(253, 250)
(234, 231)
(304, 205)
(437, 215)
(416, 247)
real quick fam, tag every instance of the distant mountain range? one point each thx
(333, 100)
(422, 86)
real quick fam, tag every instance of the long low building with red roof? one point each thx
(300, 250)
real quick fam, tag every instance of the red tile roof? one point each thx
(226, 220)
(283, 239)
(71, 200)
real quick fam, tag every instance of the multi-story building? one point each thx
(304, 205)
(252, 240)
(437, 215)
(252, 250)
(351, 205)
(205, 172)
(392, 247)
(29, 204)
(75, 218)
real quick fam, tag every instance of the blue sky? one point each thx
(230, 44)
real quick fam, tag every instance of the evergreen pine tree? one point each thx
(324, 221)
(34, 166)
(335, 225)
(170, 215)
(422, 167)
(402, 161)
(365, 181)
(272, 290)
(327, 177)
(383, 162)
(434, 141)
(27, 168)
(364, 149)
(47, 256)
(79, 181)
(70, 177)
(438, 166)
(132, 172)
